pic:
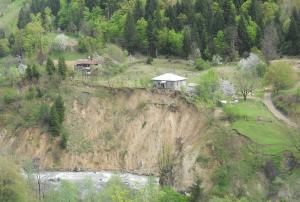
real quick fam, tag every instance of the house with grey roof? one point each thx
(169, 81)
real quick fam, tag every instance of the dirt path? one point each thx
(267, 100)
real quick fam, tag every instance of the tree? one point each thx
(60, 43)
(62, 67)
(246, 80)
(293, 35)
(24, 17)
(150, 9)
(13, 187)
(151, 35)
(270, 42)
(54, 6)
(219, 43)
(47, 19)
(280, 75)
(50, 67)
(138, 12)
(4, 49)
(141, 31)
(60, 108)
(54, 123)
(244, 39)
(130, 33)
(187, 42)
(208, 88)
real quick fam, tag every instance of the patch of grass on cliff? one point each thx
(252, 119)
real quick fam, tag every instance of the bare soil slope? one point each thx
(122, 130)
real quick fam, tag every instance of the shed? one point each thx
(169, 81)
(85, 65)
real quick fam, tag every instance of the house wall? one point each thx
(172, 85)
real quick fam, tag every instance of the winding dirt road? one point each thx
(267, 100)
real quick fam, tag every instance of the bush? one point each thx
(13, 186)
(149, 61)
(64, 139)
(30, 94)
(231, 113)
(201, 64)
(281, 76)
(60, 43)
(4, 49)
(10, 95)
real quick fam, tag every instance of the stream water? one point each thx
(50, 180)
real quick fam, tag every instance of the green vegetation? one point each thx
(252, 119)
(13, 187)
(280, 76)
(114, 191)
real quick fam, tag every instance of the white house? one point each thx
(169, 81)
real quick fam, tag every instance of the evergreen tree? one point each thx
(54, 123)
(62, 67)
(152, 39)
(151, 7)
(187, 42)
(54, 6)
(229, 12)
(23, 17)
(60, 108)
(138, 10)
(293, 35)
(171, 16)
(244, 39)
(50, 68)
(130, 33)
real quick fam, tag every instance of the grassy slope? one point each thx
(9, 14)
(256, 122)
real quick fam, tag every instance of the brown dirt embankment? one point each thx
(122, 130)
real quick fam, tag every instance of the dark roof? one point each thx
(87, 62)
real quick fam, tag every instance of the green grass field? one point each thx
(253, 120)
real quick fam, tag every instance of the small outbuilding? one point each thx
(85, 65)
(169, 81)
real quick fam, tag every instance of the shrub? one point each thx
(4, 49)
(64, 139)
(261, 69)
(270, 170)
(30, 94)
(201, 64)
(149, 61)
(60, 43)
(280, 75)
(10, 95)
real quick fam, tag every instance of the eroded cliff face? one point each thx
(123, 130)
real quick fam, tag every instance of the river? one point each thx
(50, 180)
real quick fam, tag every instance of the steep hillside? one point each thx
(122, 129)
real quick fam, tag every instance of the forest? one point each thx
(187, 29)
